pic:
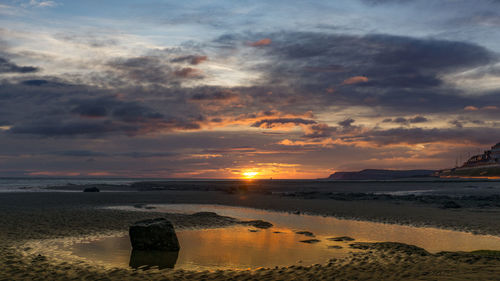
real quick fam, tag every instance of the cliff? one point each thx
(374, 174)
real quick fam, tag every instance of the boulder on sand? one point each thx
(153, 234)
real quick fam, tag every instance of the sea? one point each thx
(39, 184)
(455, 187)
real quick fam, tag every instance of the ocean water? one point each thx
(38, 184)
(450, 187)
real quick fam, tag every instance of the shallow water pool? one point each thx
(242, 247)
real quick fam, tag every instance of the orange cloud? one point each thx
(262, 42)
(490, 107)
(198, 59)
(471, 108)
(326, 142)
(355, 80)
(100, 174)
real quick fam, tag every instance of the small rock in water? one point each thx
(296, 212)
(259, 224)
(341, 239)
(334, 247)
(306, 233)
(310, 241)
(91, 189)
(277, 232)
(206, 214)
(153, 234)
(451, 205)
(253, 230)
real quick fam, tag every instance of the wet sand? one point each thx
(28, 217)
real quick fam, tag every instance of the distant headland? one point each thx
(379, 174)
(486, 165)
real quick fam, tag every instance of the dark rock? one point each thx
(253, 230)
(341, 239)
(206, 214)
(91, 189)
(310, 241)
(451, 205)
(390, 246)
(306, 233)
(153, 234)
(334, 247)
(259, 224)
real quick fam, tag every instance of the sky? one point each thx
(235, 89)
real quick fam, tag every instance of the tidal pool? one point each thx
(242, 247)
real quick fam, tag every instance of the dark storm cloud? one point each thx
(407, 121)
(57, 109)
(35, 82)
(192, 59)
(9, 67)
(217, 95)
(131, 154)
(79, 153)
(398, 73)
(479, 135)
(321, 131)
(149, 69)
(347, 122)
(381, 58)
(56, 127)
(270, 123)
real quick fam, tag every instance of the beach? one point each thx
(30, 217)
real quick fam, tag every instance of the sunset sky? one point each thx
(235, 89)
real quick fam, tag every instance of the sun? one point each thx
(250, 175)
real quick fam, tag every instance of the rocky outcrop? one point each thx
(154, 234)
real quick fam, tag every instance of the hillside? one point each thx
(376, 174)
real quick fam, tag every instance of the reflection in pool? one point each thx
(161, 259)
(222, 248)
(241, 248)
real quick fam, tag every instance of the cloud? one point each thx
(10, 67)
(192, 59)
(42, 4)
(347, 122)
(148, 70)
(272, 123)
(355, 80)
(261, 42)
(407, 121)
(188, 72)
(217, 95)
(471, 108)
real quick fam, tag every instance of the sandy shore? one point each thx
(31, 216)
